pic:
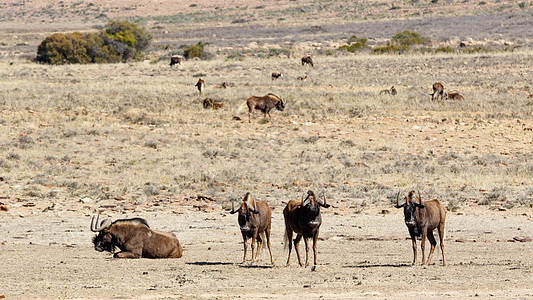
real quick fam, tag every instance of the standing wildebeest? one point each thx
(255, 222)
(438, 91)
(455, 96)
(175, 60)
(276, 75)
(200, 85)
(422, 219)
(264, 104)
(307, 60)
(135, 239)
(303, 217)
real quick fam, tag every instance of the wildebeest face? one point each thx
(104, 241)
(244, 217)
(280, 105)
(312, 209)
(409, 209)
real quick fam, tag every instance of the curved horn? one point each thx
(94, 224)
(252, 208)
(323, 204)
(398, 200)
(233, 207)
(419, 197)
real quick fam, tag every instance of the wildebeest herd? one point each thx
(136, 239)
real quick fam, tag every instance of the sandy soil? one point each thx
(49, 255)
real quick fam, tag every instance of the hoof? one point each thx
(253, 264)
(313, 269)
(244, 264)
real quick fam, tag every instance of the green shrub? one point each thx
(59, 48)
(408, 38)
(196, 50)
(354, 44)
(118, 41)
(390, 48)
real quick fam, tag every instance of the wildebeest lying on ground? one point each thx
(254, 222)
(200, 85)
(421, 219)
(302, 78)
(209, 103)
(455, 96)
(303, 217)
(391, 91)
(307, 60)
(438, 91)
(264, 104)
(134, 238)
(175, 60)
(276, 75)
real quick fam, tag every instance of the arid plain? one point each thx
(133, 139)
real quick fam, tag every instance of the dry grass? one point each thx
(138, 130)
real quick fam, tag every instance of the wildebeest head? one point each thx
(104, 240)
(312, 205)
(245, 211)
(280, 105)
(409, 207)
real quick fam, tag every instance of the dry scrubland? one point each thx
(133, 140)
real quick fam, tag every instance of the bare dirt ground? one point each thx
(366, 255)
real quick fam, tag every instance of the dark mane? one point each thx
(140, 220)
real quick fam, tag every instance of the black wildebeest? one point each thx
(200, 85)
(255, 222)
(438, 91)
(455, 96)
(303, 217)
(391, 91)
(307, 60)
(264, 104)
(209, 103)
(175, 60)
(422, 219)
(276, 75)
(135, 239)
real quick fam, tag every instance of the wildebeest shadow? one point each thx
(379, 266)
(256, 267)
(209, 263)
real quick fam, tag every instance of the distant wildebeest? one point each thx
(276, 75)
(307, 60)
(455, 96)
(224, 85)
(303, 217)
(209, 103)
(200, 85)
(438, 91)
(302, 78)
(264, 104)
(421, 219)
(135, 239)
(175, 60)
(391, 91)
(255, 222)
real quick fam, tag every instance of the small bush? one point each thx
(444, 49)
(408, 38)
(390, 48)
(354, 44)
(196, 50)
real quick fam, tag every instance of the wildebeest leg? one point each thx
(413, 240)
(315, 241)
(289, 241)
(254, 238)
(245, 242)
(249, 116)
(126, 254)
(259, 243)
(441, 238)
(267, 233)
(423, 246)
(433, 243)
(306, 241)
(296, 242)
